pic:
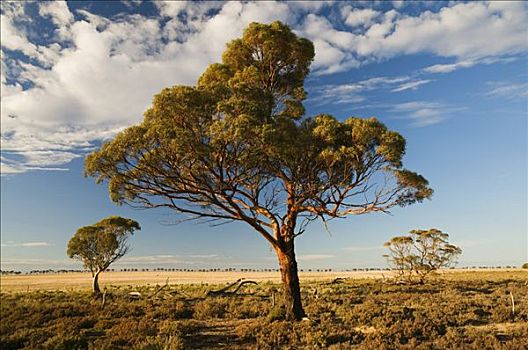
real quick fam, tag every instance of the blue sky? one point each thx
(451, 77)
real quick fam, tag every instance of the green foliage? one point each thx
(421, 253)
(268, 65)
(98, 245)
(525, 265)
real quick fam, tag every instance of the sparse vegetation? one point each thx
(238, 146)
(462, 310)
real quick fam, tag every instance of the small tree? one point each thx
(99, 245)
(420, 253)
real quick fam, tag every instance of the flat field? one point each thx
(453, 310)
(82, 280)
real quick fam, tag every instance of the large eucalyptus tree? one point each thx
(238, 147)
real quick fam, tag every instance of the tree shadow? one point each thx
(215, 335)
(470, 289)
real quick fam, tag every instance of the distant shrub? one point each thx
(525, 265)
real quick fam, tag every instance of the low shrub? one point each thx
(457, 312)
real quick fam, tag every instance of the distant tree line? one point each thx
(172, 269)
(38, 272)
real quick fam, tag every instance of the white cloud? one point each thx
(345, 93)
(363, 249)
(171, 259)
(35, 263)
(507, 89)
(467, 31)
(105, 79)
(13, 39)
(423, 113)
(332, 47)
(309, 6)
(27, 244)
(352, 92)
(39, 147)
(398, 3)
(358, 17)
(473, 29)
(6, 168)
(131, 3)
(411, 85)
(450, 67)
(97, 75)
(204, 256)
(59, 12)
(447, 68)
(170, 8)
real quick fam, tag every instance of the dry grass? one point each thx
(457, 310)
(82, 281)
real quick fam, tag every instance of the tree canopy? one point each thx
(238, 147)
(233, 146)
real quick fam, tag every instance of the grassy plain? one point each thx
(455, 310)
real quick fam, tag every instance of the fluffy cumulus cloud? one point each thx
(467, 32)
(100, 74)
(67, 88)
(358, 17)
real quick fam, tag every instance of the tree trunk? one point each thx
(95, 283)
(290, 281)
